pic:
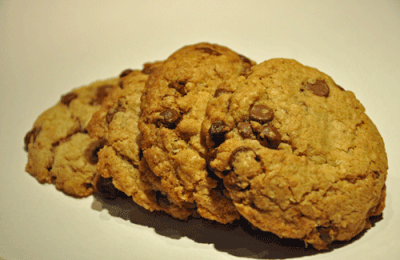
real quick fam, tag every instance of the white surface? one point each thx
(49, 47)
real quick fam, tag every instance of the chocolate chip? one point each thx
(217, 132)
(245, 129)
(102, 92)
(246, 71)
(209, 51)
(92, 150)
(148, 68)
(246, 66)
(319, 88)
(67, 98)
(245, 59)
(324, 234)
(125, 73)
(31, 136)
(221, 91)
(235, 152)
(261, 113)
(111, 113)
(269, 137)
(170, 118)
(179, 86)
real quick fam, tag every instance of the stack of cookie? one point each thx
(209, 133)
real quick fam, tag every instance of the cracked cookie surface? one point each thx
(120, 159)
(173, 108)
(297, 153)
(60, 151)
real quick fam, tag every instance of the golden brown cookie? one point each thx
(120, 160)
(297, 153)
(59, 149)
(173, 108)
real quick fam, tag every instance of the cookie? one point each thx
(297, 153)
(173, 108)
(120, 159)
(60, 151)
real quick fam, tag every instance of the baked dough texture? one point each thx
(297, 153)
(60, 151)
(173, 108)
(120, 160)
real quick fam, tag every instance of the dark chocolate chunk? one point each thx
(235, 152)
(170, 118)
(246, 71)
(246, 66)
(261, 113)
(148, 68)
(269, 137)
(67, 98)
(101, 94)
(220, 91)
(111, 113)
(92, 150)
(376, 174)
(31, 136)
(245, 129)
(324, 234)
(217, 132)
(179, 86)
(319, 88)
(125, 73)
(245, 59)
(209, 51)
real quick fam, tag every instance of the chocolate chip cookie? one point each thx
(173, 108)
(120, 159)
(60, 151)
(297, 153)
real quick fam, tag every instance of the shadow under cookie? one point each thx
(239, 239)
